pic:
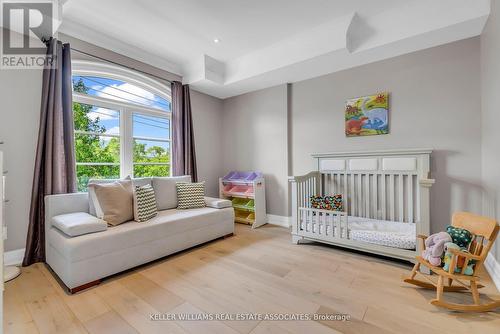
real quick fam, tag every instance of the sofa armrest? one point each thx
(217, 203)
(56, 205)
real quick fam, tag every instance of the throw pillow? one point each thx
(166, 191)
(94, 205)
(116, 201)
(190, 195)
(459, 236)
(144, 203)
(331, 203)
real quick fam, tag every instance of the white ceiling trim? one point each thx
(350, 42)
(88, 35)
(323, 39)
(340, 44)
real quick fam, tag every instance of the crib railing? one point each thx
(323, 224)
(311, 222)
(303, 187)
(376, 195)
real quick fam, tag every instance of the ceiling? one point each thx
(267, 42)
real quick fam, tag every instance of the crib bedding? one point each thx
(374, 231)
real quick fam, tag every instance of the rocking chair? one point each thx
(483, 229)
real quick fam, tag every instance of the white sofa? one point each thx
(83, 260)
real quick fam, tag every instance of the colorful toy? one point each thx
(434, 247)
(460, 261)
(332, 203)
(459, 236)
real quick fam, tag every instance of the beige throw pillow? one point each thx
(116, 201)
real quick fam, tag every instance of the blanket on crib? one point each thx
(374, 231)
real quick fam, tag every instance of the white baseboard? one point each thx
(493, 268)
(282, 221)
(13, 258)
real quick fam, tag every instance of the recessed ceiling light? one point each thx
(216, 40)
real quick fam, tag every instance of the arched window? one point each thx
(122, 123)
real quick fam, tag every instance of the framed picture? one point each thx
(367, 116)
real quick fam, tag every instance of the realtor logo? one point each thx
(25, 25)
(31, 19)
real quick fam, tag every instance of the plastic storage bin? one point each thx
(238, 190)
(244, 204)
(241, 176)
(244, 216)
(227, 187)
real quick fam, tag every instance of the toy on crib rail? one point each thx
(460, 261)
(434, 247)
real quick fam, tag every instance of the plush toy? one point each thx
(434, 247)
(460, 261)
(459, 236)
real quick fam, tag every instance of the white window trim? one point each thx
(91, 68)
(126, 110)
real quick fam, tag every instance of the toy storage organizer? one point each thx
(246, 190)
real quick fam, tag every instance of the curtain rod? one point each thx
(47, 41)
(118, 64)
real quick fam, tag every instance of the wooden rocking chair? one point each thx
(484, 231)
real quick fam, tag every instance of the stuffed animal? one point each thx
(460, 261)
(459, 236)
(434, 247)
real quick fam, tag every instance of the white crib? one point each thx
(385, 196)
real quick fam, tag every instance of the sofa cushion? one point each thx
(166, 192)
(166, 223)
(116, 201)
(78, 223)
(135, 182)
(217, 203)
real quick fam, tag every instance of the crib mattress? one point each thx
(374, 231)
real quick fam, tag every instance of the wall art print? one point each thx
(367, 116)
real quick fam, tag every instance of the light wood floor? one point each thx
(256, 271)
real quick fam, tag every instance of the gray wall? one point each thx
(207, 122)
(255, 138)
(20, 93)
(490, 74)
(435, 102)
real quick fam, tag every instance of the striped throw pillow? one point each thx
(144, 203)
(190, 195)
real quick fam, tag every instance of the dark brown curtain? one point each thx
(55, 171)
(183, 153)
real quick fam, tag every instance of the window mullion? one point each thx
(127, 167)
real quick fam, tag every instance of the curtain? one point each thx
(183, 153)
(55, 171)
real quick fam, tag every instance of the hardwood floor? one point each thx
(256, 271)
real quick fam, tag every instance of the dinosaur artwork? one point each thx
(354, 126)
(367, 116)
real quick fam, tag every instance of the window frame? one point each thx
(126, 110)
